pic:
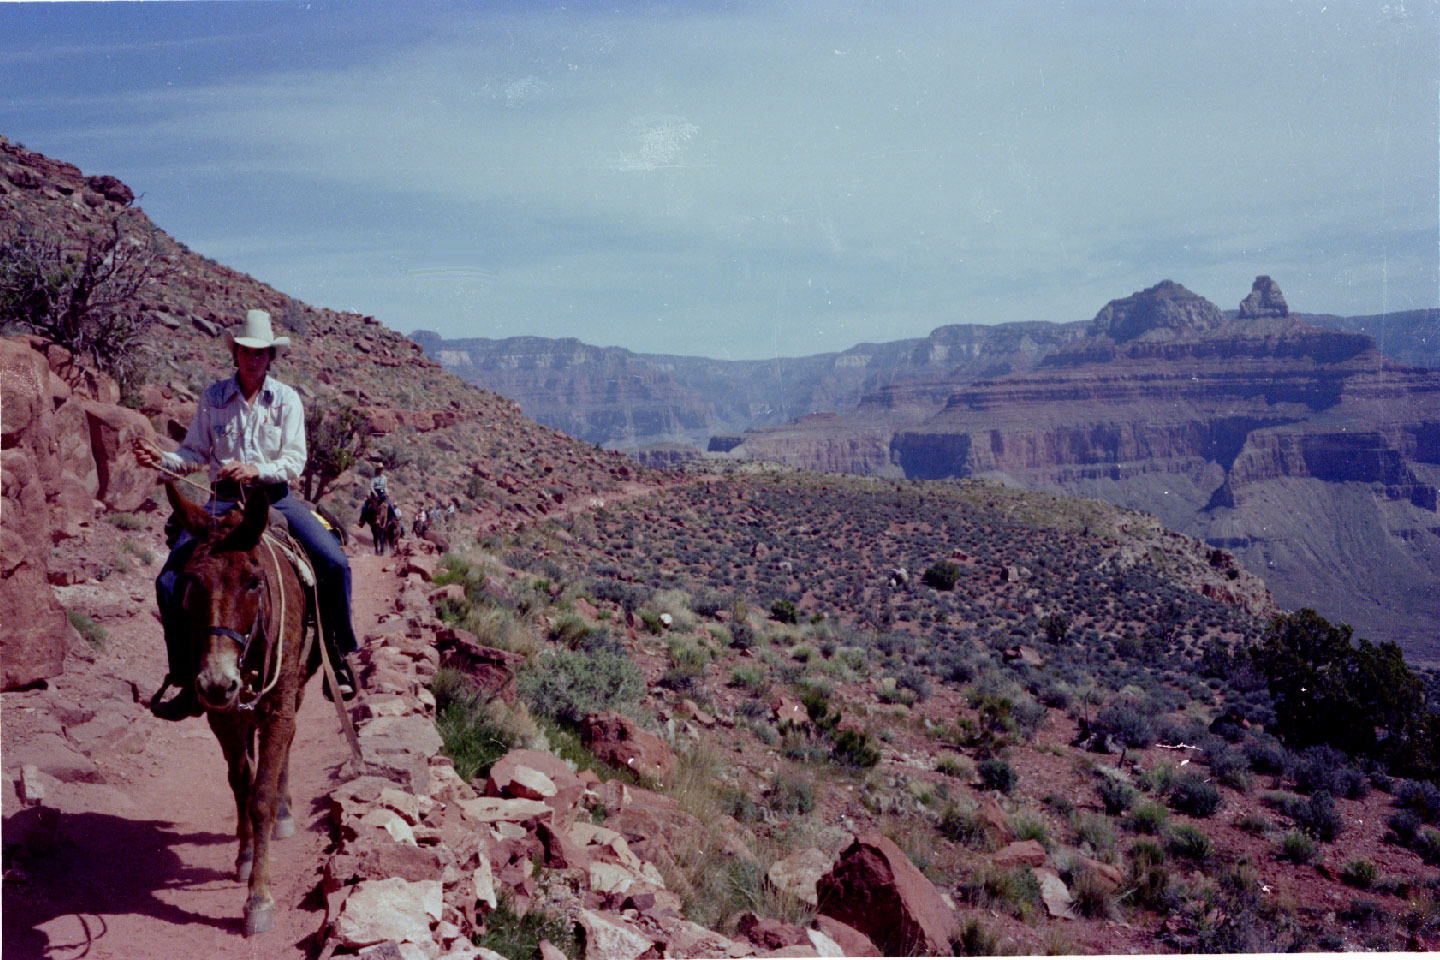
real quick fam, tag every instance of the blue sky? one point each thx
(747, 180)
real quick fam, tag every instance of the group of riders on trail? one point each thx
(249, 434)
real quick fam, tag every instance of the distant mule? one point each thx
(245, 608)
(385, 527)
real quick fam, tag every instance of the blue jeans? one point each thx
(332, 575)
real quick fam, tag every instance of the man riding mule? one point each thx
(383, 518)
(249, 432)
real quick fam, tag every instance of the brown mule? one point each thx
(245, 608)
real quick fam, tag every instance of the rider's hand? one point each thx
(239, 472)
(146, 453)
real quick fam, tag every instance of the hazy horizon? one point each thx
(747, 181)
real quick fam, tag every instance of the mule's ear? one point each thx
(257, 515)
(193, 517)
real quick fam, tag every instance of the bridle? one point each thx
(259, 627)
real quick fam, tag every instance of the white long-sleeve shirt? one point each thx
(269, 435)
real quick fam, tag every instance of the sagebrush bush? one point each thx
(1405, 825)
(1297, 848)
(568, 684)
(1093, 897)
(1421, 796)
(996, 774)
(960, 821)
(1095, 829)
(1188, 843)
(1117, 795)
(1193, 796)
(1326, 768)
(1359, 874)
(791, 793)
(1147, 817)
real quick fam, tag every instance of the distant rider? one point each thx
(248, 432)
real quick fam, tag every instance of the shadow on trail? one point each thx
(91, 866)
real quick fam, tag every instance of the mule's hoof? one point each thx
(259, 918)
(243, 865)
(284, 828)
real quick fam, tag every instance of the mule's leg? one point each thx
(284, 820)
(276, 733)
(234, 743)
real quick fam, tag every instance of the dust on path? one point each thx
(134, 858)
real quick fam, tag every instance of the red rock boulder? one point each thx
(619, 740)
(877, 890)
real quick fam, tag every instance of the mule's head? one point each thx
(223, 594)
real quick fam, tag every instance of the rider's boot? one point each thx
(182, 706)
(344, 676)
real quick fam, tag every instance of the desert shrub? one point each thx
(1297, 848)
(687, 665)
(961, 822)
(1318, 817)
(1193, 796)
(1421, 796)
(1359, 874)
(1095, 829)
(1147, 817)
(953, 765)
(958, 669)
(518, 936)
(1188, 843)
(791, 794)
(1254, 823)
(742, 635)
(942, 575)
(1027, 714)
(1117, 795)
(1093, 897)
(1149, 879)
(1427, 845)
(627, 596)
(1160, 778)
(707, 603)
(1326, 768)
(913, 680)
(785, 611)
(1230, 767)
(996, 774)
(1146, 853)
(469, 737)
(975, 940)
(1030, 828)
(852, 748)
(749, 677)
(1405, 825)
(568, 684)
(1015, 891)
(1266, 755)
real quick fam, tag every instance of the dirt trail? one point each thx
(131, 854)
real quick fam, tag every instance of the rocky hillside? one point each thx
(632, 401)
(67, 432)
(1311, 456)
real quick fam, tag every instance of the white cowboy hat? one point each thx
(257, 334)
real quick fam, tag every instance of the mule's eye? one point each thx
(253, 584)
